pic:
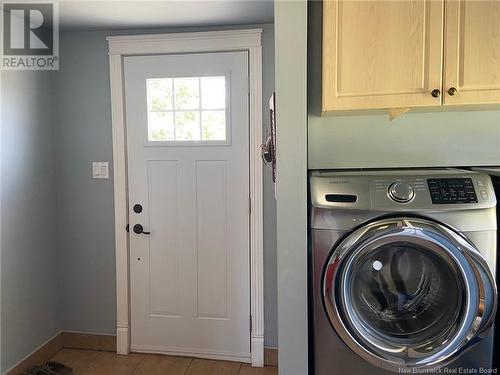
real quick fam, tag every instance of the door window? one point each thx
(187, 109)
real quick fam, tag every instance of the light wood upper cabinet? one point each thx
(472, 52)
(409, 53)
(381, 54)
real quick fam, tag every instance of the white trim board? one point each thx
(220, 41)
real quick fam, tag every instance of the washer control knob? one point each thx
(401, 192)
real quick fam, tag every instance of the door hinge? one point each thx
(250, 205)
(250, 323)
(127, 228)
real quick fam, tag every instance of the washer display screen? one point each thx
(452, 190)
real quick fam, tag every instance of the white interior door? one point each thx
(188, 167)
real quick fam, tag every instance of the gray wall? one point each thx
(86, 242)
(432, 138)
(86, 222)
(29, 295)
(291, 91)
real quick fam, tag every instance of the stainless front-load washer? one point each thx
(402, 271)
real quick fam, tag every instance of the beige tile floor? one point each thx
(88, 362)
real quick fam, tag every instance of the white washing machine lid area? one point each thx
(407, 292)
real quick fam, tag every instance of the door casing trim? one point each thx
(214, 41)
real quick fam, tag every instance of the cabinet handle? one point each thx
(452, 91)
(436, 93)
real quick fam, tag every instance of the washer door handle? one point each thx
(488, 297)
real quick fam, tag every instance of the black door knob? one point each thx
(452, 91)
(138, 229)
(436, 93)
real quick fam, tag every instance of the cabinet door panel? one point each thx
(472, 52)
(381, 54)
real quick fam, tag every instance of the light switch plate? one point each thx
(100, 169)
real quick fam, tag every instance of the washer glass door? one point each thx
(405, 292)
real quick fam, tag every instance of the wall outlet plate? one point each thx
(100, 169)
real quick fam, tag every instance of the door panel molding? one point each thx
(219, 41)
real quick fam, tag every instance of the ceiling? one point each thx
(142, 14)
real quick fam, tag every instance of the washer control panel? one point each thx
(402, 191)
(451, 190)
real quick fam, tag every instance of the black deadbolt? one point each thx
(137, 208)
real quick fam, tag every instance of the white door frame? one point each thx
(217, 41)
